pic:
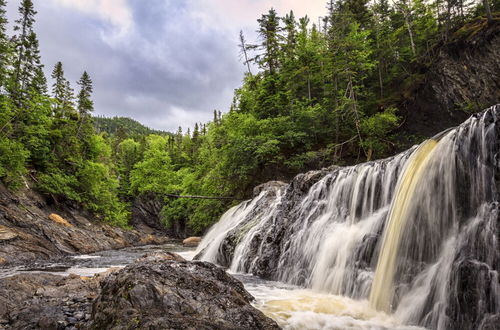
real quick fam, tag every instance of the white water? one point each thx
(403, 232)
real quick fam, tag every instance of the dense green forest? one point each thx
(314, 95)
(124, 126)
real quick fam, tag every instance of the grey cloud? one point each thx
(169, 70)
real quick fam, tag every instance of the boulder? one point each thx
(60, 220)
(167, 294)
(191, 241)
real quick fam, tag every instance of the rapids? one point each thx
(410, 240)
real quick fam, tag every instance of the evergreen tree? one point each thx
(26, 52)
(62, 92)
(269, 29)
(5, 50)
(39, 82)
(85, 105)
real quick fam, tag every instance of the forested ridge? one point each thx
(314, 95)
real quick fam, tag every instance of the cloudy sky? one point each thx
(166, 63)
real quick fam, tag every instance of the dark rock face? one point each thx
(463, 78)
(45, 301)
(146, 217)
(27, 233)
(167, 294)
(146, 211)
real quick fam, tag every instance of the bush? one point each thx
(13, 159)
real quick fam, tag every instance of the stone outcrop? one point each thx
(46, 301)
(167, 294)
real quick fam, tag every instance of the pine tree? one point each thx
(291, 33)
(269, 29)
(62, 92)
(215, 121)
(26, 52)
(4, 46)
(39, 82)
(85, 105)
(196, 133)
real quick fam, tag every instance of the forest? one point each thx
(315, 94)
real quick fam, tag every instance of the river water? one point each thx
(291, 306)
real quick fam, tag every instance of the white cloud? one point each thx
(242, 14)
(116, 12)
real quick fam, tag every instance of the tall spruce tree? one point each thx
(4, 46)
(84, 102)
(62, 92)
(26, 52)
(269, 29)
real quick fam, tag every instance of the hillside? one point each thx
(123, 125)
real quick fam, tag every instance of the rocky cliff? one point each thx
(31, 228)
(461, 77)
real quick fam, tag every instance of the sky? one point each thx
(165, 63)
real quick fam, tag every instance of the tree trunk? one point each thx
(487, 8)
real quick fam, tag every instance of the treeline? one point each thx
(123, 126)
(314, 95)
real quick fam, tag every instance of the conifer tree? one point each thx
(269, 29)
(85, 105)
(4, 46)
(26, 52)
(196, 133)
(62, 92)
(39, 82)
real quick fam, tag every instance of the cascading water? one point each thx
(416, 234)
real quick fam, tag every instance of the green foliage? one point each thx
(155, 172)
(59, 184)
(377, 129)
(99, 193)
(13, 159)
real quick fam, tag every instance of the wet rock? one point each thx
(268, 186)
(159, 257)
(463, 78)
(191, 241)
(47, 322)
(175, 295)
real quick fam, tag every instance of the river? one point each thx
(291, 306)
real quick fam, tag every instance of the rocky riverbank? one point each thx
(33, 227)
(161, 291)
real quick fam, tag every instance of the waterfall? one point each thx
(382, 288)
(416, 234)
